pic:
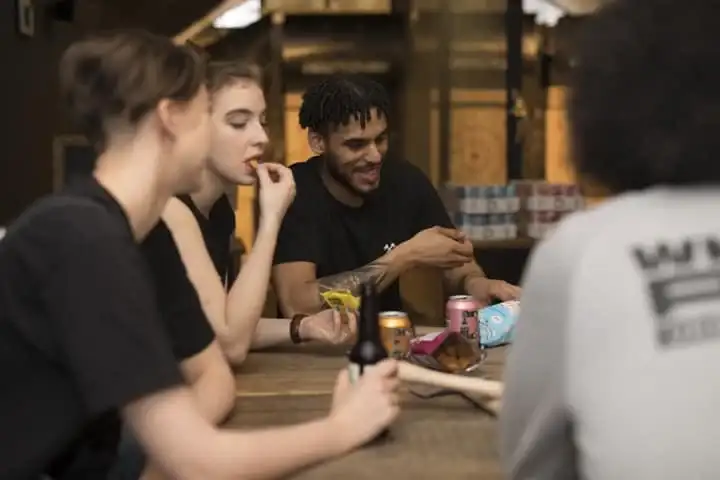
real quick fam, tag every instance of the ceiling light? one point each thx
(245, 14)
(545, 13)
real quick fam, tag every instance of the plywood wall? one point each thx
(296, 140)
(558, 168)
(558, 160)
(477, 137)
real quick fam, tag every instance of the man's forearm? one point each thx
(457, 279)
(383, 271)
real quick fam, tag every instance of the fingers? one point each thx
(338, 320)
(281, 172)
(386, 368)
(343, 380)
(456, 235)
(263, 175)
(508, 292)
(463, 249)
(391, 384)
(352, 323)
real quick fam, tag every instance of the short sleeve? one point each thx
(429, 210)
(535, 424)
(298, 237)
(102, 308)
(181, 311)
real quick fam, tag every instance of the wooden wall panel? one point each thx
(558, 154)
(477, 137)
(558, 168)
(244, 215)
(296, 142)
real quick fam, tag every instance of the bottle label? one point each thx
(354, 372)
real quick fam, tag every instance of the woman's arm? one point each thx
(212, 382)
(213, 385)
(234, 333)
(235, 315)
(185, 446)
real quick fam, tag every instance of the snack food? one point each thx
(496, 323)
(446, 351)
(341, 300)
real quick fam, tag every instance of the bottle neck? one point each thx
(369, 328)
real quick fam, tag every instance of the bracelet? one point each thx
(295, 328)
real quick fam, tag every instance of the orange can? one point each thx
(396, 331)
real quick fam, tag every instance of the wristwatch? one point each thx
(295, 328)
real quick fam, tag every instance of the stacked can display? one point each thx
(544, 204)
(485, 212)
(502, 212)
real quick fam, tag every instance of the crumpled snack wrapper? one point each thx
(450, 352)
(446, 351)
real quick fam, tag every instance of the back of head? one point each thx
(337, 100)
(119, 77)
(645, 103)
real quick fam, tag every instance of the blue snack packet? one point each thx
(496, 323)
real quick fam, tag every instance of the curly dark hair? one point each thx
(645, 96)
(334, 101)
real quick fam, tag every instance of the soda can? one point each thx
(479, 201)
(396, 331)
(461, 313)
(477, 226)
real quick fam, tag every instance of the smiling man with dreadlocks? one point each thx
(360, 215)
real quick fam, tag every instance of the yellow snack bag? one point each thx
(341, 300)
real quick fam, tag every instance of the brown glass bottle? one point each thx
(368, 349)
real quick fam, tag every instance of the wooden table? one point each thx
(443, 437)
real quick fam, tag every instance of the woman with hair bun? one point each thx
(81, 334)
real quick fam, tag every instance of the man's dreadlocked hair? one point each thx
(336, 100)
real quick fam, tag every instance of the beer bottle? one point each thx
(368, 349)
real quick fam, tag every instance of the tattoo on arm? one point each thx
(374, 271)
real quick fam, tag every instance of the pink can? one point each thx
(461, 315)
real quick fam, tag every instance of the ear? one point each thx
(169, 118)
(316, 142)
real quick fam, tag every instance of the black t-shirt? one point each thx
(217, 230)
(337, 238)
(80, 333)
(185, 320)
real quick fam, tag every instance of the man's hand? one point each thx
(440, 247)
(277, 190)
(329, 326)
(485, 290)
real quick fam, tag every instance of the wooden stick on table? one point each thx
(479, 386)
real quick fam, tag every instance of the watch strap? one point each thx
(295, 328)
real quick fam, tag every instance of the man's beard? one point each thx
(341, 177)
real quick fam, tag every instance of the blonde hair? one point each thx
(222, 74)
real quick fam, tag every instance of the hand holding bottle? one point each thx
(366, 408)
